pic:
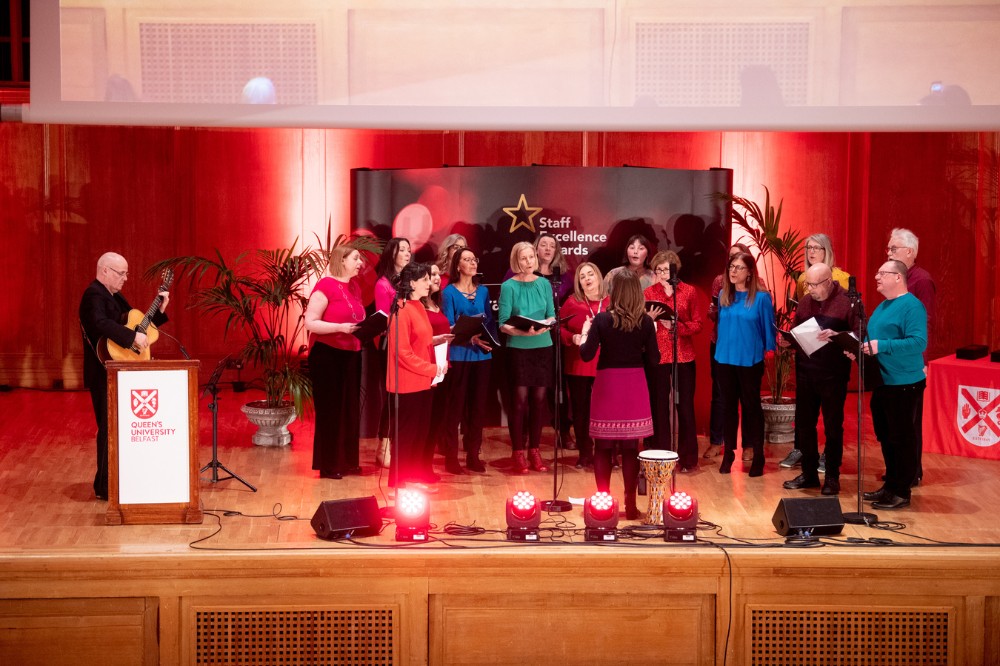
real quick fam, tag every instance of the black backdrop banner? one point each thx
(592, 211)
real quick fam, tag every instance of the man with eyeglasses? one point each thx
(821, 380)
(103, 312)
(903, 246)
(897, 337)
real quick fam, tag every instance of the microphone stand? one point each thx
(213, 387)
(860, 517)
(390, 510)
(556, 504)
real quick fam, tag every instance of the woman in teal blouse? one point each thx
(529, 359)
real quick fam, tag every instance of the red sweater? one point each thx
(572, 363)
(417, 367)
(688, 322)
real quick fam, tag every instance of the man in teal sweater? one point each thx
(897, 337)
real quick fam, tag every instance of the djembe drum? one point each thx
(658, 468)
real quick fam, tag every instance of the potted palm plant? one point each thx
(780, 261)
(262, 294)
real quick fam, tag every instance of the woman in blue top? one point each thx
(531, 362)
(746, 332)
(468, 378)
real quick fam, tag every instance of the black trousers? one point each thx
(716, 418)
(895, 414)
(336, 381)
(467, 386)
(740, 389)
(660, 379)
(413, 420)
(579, 388)
(99, 400)
(813, 395)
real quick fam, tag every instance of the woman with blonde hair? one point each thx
(619, 413)
(450, 244)
(589, 299)
(334, 312)
(819, 250)
(530, 359)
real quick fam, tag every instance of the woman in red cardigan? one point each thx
(410, 372)
(588, 300)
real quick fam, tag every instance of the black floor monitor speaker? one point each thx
(336, 519)
(819, 515)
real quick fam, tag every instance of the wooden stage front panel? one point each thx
(260, 588)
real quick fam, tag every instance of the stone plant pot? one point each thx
(779, 420)
(272, 423)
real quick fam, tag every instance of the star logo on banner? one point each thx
(522, 215)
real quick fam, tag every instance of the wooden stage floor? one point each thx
(46, 449)
(72, 585)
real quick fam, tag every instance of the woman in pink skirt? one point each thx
(619, 411)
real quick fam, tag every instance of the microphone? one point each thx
(673, 279)
(181, 346)
(852, 287)
(477, 278)
(556, 272)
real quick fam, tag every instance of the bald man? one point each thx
(821, 380)
(103, 313)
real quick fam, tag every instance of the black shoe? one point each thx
(101, 497)
(890, 501)
(800, 482)
(757, 466)
(452, 466)
(475, 465)
(584, 462)
(430, 476)
(632, 512)
(916, 482)
(831, 486)
(330, 474)
(728, 457)
(353, 470)
(876, 495)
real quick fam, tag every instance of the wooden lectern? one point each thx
(153, 442)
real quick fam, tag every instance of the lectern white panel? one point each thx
(153, 437)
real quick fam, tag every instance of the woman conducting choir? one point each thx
(469, 372)
(688, 319)
(531, 362)
(410, 373)
(589, 299)
(638, 252)
(619, 412)
(746, 333)
(819, 250)
(333, 314)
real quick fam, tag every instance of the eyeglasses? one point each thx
(470, 260)
(813, 248)
(813, 285)
(123, 274)
(662, 271)
(893, 249)
(882, 273)
(738, 269)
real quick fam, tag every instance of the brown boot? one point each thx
(520, 463)
(535, 456)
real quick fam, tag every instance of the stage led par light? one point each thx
(680, 517)
(524, 515)
(600, 515)
(413, 515)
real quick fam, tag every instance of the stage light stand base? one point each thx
(556, 505)
(860, 518)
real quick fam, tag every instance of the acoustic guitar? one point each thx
(108, 350)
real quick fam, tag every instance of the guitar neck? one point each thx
(150, 313)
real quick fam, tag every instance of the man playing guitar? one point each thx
(102, 312)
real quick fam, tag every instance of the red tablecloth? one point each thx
(962, 408)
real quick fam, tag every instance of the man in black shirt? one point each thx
(821, 380)
(103, 312)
